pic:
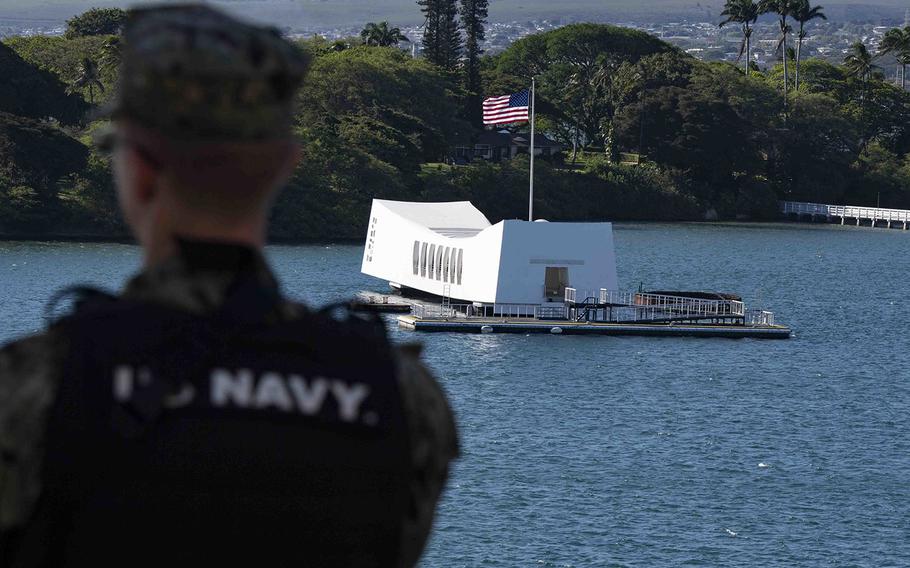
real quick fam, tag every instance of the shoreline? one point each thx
(128, 240)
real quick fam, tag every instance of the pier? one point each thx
(848, 214)
(603, 312)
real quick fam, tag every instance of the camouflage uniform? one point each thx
(244, 94)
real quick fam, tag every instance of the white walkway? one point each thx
(875, 216)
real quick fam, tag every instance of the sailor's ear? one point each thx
(296, 153)
(293, 156)
(146, 180)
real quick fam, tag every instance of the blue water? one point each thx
(591, 451)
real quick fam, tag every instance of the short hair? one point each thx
(223, 179)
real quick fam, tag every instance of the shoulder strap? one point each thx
(79, 297)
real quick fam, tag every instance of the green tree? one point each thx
(29, 91)
(382, 35)
(97, 21)
(411, 96)
(804, 13)
(111, 54)
(784, 9)
(897, 42)
(441, 37)
(704, 130)
(88, 76)
(744, 13)
(860, 63)
(64, 57)
(583, 73)
(473, 21)
(37, 154)
(885, 115)
(811, 160)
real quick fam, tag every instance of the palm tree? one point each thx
(804, 13)
(783, 9)
(860, 62)
(897, 42)
(745, 13)
(382, 35)
(88, 76)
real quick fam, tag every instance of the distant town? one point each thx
(829, 40)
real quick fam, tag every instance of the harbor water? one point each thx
(599, 451)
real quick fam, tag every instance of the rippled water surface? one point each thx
(591, 451)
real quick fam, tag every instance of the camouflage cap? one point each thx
(194, 73)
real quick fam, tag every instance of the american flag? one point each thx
(508, 108)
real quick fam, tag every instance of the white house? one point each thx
(452, 250)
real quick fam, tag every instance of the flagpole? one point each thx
(531, 196)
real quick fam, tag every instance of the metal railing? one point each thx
(759, 317)
(681, 305)
(557, 311)
(843, 211)
(515, 310)
(441, 312)
(609, 306)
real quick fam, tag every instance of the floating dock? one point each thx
(489, 325)
(607, 313)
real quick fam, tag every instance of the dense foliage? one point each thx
(28, 91)
(373, 122)
(97, 21)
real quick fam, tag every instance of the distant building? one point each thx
(495, 146)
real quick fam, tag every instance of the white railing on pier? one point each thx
(552, 311)
(515, 310)
(437, 311)
(677, 305)
(607, 306)
(759, 317)
(873, 214)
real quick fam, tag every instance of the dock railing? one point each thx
(678, 305)
(437, 311)
(552, 311)
(759, 317)
(609, 306)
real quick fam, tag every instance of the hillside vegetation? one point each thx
(373, 122)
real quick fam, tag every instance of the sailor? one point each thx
(200, 416)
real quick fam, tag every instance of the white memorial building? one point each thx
(451, 250)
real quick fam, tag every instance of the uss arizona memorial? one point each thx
(531, 271)
(451, 250)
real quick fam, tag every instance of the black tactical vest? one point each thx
(222, 440)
